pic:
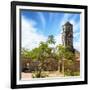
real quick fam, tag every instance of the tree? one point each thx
(60, 55)
(43, 52)
(51, 40)
(25, 53)
(64, 55)
(69, 63)
(41, 55)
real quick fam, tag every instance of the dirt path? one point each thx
(28, 76)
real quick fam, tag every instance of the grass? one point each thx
(70, 73)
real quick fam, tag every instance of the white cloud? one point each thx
(65, 19)
(30, 37)
(58, 39)
(42, 19)
(77, 45)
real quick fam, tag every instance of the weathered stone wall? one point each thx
(49, 65)
(29, 65)
(73, 66)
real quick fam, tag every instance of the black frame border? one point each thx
(13, 44)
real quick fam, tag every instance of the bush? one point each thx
(69, 72)
(77, 73)
(39, 74)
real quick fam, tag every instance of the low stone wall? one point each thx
(74, 66)
(50, 64)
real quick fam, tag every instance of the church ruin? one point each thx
(67, 35)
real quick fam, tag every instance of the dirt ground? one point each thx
(28, 76)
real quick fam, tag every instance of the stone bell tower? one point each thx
(67, 35)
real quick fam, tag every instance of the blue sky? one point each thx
(38, 25)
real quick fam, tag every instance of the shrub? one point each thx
(69, 72)
(38, 74)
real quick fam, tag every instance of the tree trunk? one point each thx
(63, 67)
(59, 68)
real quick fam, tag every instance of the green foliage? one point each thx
(43, 52)
(39, 74)
(69, 55)
(64, 55)
(64, 52)
(60, 51)
(77, 73)
(51, 40)
(25, 53)
(68, 72)
(72, 73)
